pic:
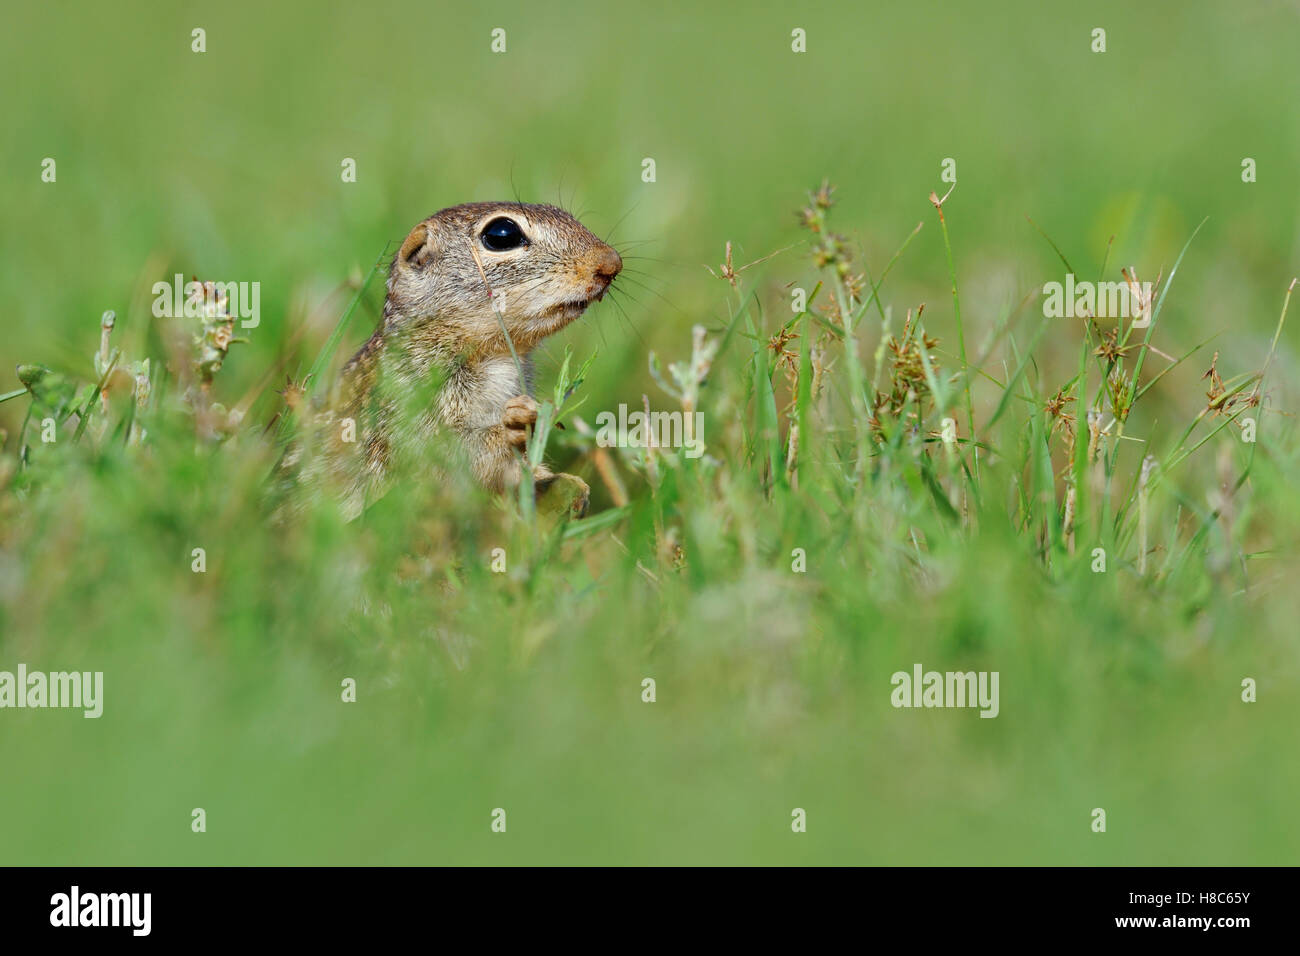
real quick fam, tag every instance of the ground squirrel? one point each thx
(459, 276)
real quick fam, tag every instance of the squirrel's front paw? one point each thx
(519, 416)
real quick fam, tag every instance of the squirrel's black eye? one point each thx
(503, 234)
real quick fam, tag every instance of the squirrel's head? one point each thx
(465, 269)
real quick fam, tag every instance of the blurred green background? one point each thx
(223, 693)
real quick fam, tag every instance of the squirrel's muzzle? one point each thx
(608, 264)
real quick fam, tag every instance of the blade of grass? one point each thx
(326, 354)
(961, 334)
(1160, 304)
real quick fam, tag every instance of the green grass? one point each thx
(523, 689)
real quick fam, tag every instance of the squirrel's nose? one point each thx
(609, 264)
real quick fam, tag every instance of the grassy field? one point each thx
(948, 500)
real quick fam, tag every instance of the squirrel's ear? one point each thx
(415, 250)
